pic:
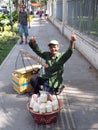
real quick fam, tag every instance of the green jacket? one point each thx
(56, 65)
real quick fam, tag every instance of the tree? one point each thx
(16, 4)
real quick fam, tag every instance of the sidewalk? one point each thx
(80, 95)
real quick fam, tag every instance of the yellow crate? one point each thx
(21, 78)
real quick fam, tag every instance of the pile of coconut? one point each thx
(44, 103)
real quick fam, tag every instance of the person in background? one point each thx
(53, 78)
(24, 23)
(46, 14)
(40, 14)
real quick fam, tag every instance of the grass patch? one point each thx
(6, 46)
(8, 39)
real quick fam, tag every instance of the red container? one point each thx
(46, 118)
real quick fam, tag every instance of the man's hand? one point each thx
(73, 37)
(18, 25)
(46, 66)
(32, 40)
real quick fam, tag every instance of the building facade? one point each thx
(73, 16)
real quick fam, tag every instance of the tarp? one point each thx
(36, 4)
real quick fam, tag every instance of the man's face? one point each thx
(22, 8)
(54, 49)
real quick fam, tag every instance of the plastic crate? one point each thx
(21, 78)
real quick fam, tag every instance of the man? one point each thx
(46, 14)
(24, 23)
(53, 77)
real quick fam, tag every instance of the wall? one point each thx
(87, 46)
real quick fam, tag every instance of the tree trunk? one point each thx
(17, 3)
(2, 29)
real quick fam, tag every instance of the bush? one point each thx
(15, 16)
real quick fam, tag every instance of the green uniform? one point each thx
(56, 65)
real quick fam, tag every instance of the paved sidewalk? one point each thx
(80, 95)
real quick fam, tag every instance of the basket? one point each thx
(46, 118)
